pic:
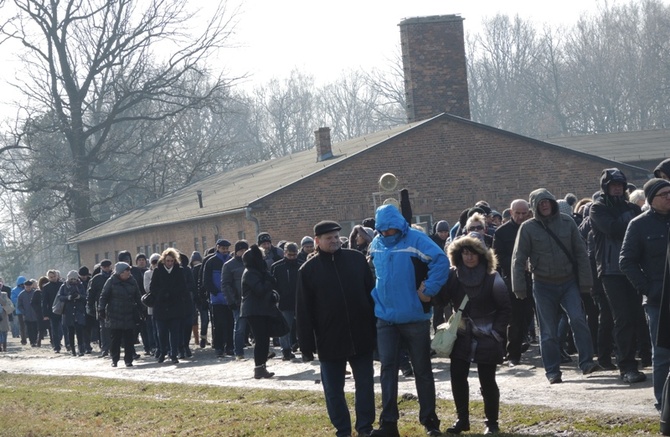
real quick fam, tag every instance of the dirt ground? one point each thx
(523, 384)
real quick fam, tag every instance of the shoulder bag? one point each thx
(58, 306)
(445, 334)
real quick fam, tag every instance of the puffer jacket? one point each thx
(120, 302)
(548, 262)
(642, 257)
(401, 262)
(258, 298)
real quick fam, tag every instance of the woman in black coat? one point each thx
(119, 307)
(168, 283)
(73, 294)
(259, 304)
(481, 336)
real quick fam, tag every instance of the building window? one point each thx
(425, 221)
(173, 244)
(139, 250)
(204, 243)
(164, 246)
(106, 255)
(147, 250)
(97, 258)
(157, 248)
(241, 235)
(196, 244)
(347, 226)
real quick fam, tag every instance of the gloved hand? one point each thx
(102, 315)
(74, 296)
(307, 357)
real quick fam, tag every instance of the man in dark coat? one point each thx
(231, 285)
(92, 302)
(49, 292)
(285, 274)
(335, 318)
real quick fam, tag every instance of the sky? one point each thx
(326, 38)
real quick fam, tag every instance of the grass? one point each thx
(84, 406)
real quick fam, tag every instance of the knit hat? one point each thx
(441, 226)
(154, 257)
(306, 240)
(325, 226)
(140, 256)
(264, 237)
(653, 186)
(72, 274)
(241, 245)
(120, 267)
(83, 271)
(124, 256)
(195, 256)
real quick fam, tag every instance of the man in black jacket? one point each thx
(643, 260)
(93, 300)
(522, 309)
(49, 292)
(231, 285)
(285, 274)
(335, 317)
(609, 217)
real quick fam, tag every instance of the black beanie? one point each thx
(652, 186)
(240, 245)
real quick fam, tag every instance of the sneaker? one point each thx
(556, 379)
(633, 376)
(593, 367)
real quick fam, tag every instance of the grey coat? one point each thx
(7, 309)
(120, 302)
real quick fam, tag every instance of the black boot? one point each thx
(491, 407)
(287, 355)
(461, 392)
(262, 372)
(386, 429)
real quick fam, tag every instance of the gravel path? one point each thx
(523, 384)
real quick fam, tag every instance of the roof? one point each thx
(637, 146)
(232, 191)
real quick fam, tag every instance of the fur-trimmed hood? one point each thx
(476, 243)
(253, 259)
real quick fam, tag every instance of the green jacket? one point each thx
(548, 262)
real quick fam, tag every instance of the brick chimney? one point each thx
(433, 56)
(324, 149)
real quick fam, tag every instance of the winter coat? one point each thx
(258, 297)
(401, 262)
(23, 306)
(334, 307)
(643, 253)
(285, 274)
(120, 302)
(74, 296)
(172, 300)
(7, 309)
(231, 281)
(95, 286)
(49, 295)
(548, 262)
(15, 293)
(481, 335)
(212, 278)
(609, 217)
(36, 303)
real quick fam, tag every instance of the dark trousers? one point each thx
(77, 330)
(459, 370)
(33, 332)
(625, 304)
(332, 376)
(522, 313)
(91, 332)
(260, 327)
(605, 329)
(223, 325)
(56, 331)
(204, 319)
(105, 337)
(119, 336)
(169, 336)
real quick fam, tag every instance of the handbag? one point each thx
(58, 306)
(149, 299)
(445, 334)
(278, 326)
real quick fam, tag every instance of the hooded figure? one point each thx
(662, 170)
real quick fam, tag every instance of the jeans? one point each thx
(332, 378)
(240, 333)
(285, 340)
(660, 356)
(169, 336)
(416, 337)
(624, 302)
(549, 300)
(56, 331)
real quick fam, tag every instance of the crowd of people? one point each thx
(584, 277)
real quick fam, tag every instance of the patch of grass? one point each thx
(83, 406)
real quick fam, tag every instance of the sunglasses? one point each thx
(475, 228)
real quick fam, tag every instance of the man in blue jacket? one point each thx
(410, 268)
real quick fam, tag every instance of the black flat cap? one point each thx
(326, 226)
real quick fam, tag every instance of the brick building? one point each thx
(446, 161)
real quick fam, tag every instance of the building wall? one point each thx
(183, 236)
(446, 165)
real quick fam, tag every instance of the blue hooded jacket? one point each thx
(16, 291)
(401, 262)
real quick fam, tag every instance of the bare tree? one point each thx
(90, 66)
